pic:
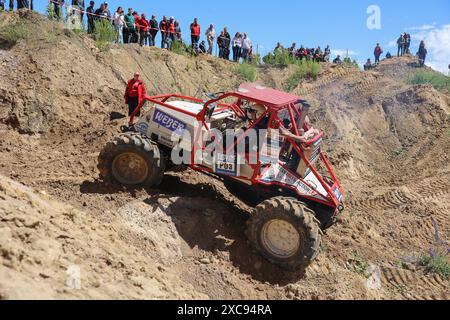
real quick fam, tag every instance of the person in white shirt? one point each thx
(246, 47)
(119, 22)
(210, 36)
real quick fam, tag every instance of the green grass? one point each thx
(303, 70)
(12, 33)
(104, 34)
(247, 71)
(437, 80)
(358, 265)
(280, 57)
(179, 47)
(438, 265)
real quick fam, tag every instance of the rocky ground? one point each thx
(61, 101)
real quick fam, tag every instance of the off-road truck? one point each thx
(298, 193)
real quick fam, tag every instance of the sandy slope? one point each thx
(388, 141)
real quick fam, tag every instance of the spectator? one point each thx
(388, 55)
(246, 48)
(407, 43)
(177, 30)
(23, 4)
(79, 4)
(278, 48)
(401, 45)
(337, 60)
(195, 35)
(327, 54)
(129, 31)
(368, 65)
(163, 26)
(202, 48)
(107, 13)
(318, 54)
(377, 52)
(292, 49)
(226, 44)
(2, 5)
(237, 47)
(11, 5)
(90, 17)
(56, 8)
(220, 40)
(143, 30)
(153, 30)
(119, 23)
(101, 12)
(422, 53)
(135, 94)
(210, 36)
(171, 28)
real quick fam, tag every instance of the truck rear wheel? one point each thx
(285, 232)
(132, 159)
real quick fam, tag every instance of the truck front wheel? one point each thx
(285, 232)
(132, 159)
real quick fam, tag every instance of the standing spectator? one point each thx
(56, 8)
(401, 45)
(79, 4)
(163, 26)
(318, 54)
(90, 18)
(237, 47)
(377, 52)
(246, 48)
(107, 13)
(292, 49)
(220, 44)
(137, 23)
(422, 53)
(135, 94)
(2, 5)
(327, 54)
(171, 28)
(177, 30)
(407, 43)
(101, 13)
(226, 44)
(143, 30)
(129, 34)
(153, 30)
(278, 48)
(195, 35)
(210, 36)
(119, 23)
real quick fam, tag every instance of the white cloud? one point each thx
(437, 41)
(423, 27)
(344, 52)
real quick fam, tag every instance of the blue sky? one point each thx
(342, 24)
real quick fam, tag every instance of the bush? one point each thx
(11, 33)
(179, 47)
(437, 80)
(281, 57)
(303, 70)
(437, 264)
(248, 71)
(349, 63)
(104, 34)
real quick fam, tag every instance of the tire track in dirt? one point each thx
(423, 286)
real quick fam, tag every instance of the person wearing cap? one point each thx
(195, 35)
(153, 31)
(107, 13)
(210, 36)
(163, 25)
(135, 94)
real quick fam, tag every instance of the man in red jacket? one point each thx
(135, 96)
(143, 30)
(377, 52)
(195, 35)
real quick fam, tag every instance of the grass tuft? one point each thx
(247, 71)
(437, 80)
(303, 70)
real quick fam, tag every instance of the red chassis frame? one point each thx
(274, 101)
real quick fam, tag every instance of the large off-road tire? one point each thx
(132, 159)
(285, 232)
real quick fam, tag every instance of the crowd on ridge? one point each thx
(132, 27)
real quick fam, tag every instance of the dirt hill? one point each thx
(61, 101)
